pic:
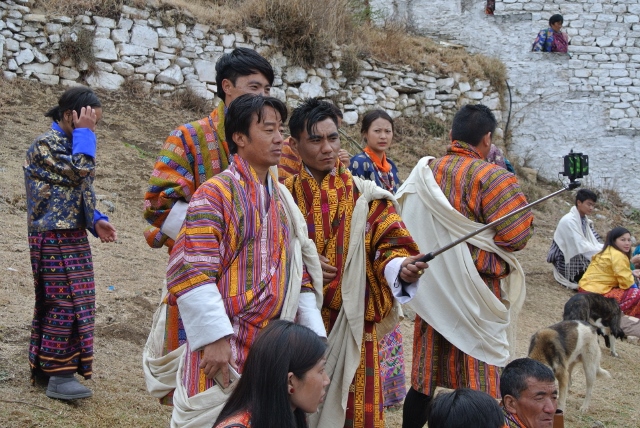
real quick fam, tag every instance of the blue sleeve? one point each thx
(97, 216)
(84, 141)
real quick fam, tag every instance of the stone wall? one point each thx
(588, 100)
(137, 46)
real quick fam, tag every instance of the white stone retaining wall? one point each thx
(588, 101)
(165, 59)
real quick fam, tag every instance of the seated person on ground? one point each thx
(463, 408)
(552, 39)
(610, 274)
(575, 240)
(529, 394)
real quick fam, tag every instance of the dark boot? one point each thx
(67, 387)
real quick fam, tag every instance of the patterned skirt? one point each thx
(437, 363)
(392, 367)
(629, 300)
(64, 314)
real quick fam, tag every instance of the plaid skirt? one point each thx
(64, 314)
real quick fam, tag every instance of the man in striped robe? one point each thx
(230, 268)
(368, 260)
(482, 192)
(196, 151)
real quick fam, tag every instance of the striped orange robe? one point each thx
(290, 162)
(482, 192)
(236, 238)
(192, 154)
(328, 208)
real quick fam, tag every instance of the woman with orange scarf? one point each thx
(373, 164)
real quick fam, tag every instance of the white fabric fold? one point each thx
(203, 315)
(173, 223)
(345, 339)
(452, 297)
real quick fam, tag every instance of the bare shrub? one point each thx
(307, 30)
(78, 46)
(350, 61)
(134, 88)
(188, 99)
(226, 14)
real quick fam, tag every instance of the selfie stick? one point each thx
(430, 256)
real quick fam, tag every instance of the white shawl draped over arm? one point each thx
(452, 297)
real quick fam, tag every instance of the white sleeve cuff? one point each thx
(403, 294)
(309, 314)
(173, 223)
(204, 317)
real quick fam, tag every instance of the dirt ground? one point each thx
(129, 276)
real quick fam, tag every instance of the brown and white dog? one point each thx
(601, 312)
(561, 347)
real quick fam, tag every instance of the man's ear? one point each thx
(240, 139)
(293, 143)
(227, 85)
(486, 140)
(510, 403)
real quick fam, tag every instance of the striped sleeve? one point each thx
(195, 258)
(501, 195)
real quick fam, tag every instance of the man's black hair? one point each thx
(241, 112)
(472, 122)
(74, 99)
(309, 113)
(556, 18)
(513, 379)
(465, 408)
(241, 62)
(586, 195)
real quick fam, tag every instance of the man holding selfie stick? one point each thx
(241, 259)
(472, 292)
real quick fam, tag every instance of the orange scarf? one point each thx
(382, 164)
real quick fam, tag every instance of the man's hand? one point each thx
(328, 272)
(411, 269)
(105, 231)
(636, 273)
(87, 118)
(635, 259)
(344, 157)
(215, 357)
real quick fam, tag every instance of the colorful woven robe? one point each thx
(235, 237)
(482, 192)
(391, 349)
(328, 208)
(192, 154)
(290, 162)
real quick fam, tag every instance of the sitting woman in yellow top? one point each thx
(609, 273)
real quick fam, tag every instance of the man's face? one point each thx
(252, 84)
(263, 146)
(556, 26)
(319, 151)
(586, 207)
(537, 404)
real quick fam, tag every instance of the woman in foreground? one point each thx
(283, 379)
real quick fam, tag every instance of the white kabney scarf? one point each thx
(345, 339)
(452, 297)
(572, 241)
(163, 374)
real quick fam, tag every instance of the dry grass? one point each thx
(105, 8)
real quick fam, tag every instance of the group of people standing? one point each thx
(289, 261)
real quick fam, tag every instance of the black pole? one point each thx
(430, 256)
